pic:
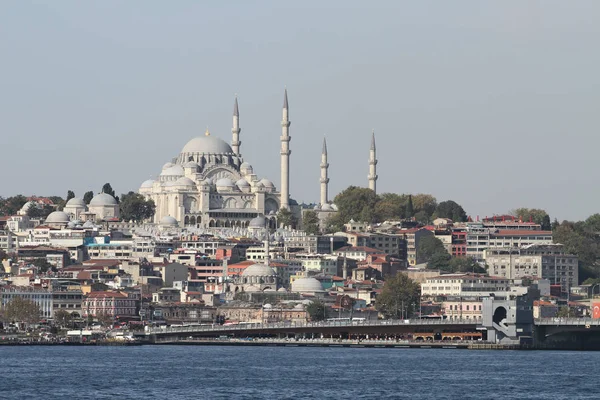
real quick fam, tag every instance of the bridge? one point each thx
(420, 329)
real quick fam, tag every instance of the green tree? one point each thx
(440, 260)
(43, 265)
(410, 211)
(62, 318)
(592, 224)
(546, 224)
(466, 264)
(450, 209)
(354, 203)
(422, 217)
(105, 319)
(564, 312)
(134, 207)
(428, 246)
(3, 255)
(390, 206)
(286, 218)
(21, 310)
(88, 196)
(310, 222)
(316, 310)
(107, 188)
(10, 205)
(70, 195)
(534, 214)
(399, 296)
(424, 203)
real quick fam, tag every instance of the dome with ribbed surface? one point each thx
(175, 170)
(306, 285)
(75, 202)
(184, 181)
(259, 270)
(168, 220)
(57, 217)
(147, 184)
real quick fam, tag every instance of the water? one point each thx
(197, 372)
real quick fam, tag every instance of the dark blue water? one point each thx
(195, 372)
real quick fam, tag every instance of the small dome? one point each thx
(306, 285)
(190, 164)
(147, 184)
(317, 207)
(225, 183)
(258, 222)
(299, 307)
(242, 183)
(267, 306)
(259, 270)
(26, 206)
(282, 290)
(184, 181)
(168, 220)
(103, 199)
(175, 170)
(267, 183)
(326, 207)
(207, 145)
(334, 207)
(75, 202)
(246, 167)
(71, 224)
(88, 224)
(167, 165)
(57, 217)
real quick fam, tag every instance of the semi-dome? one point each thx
(246, 167)
(168, 220)
(103, 199)
(207, 145)
(307, 285)
(185, 181)
(75, 202)
(259, 270)
(258, 222)
(267, 183)
(225, 183)
(242, 183)
(57, 217)
(167, 165)
(175, 170)
(147, 184)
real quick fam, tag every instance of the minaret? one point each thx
(324, 178)
(235, 143)
(285, 154)
(373, 165)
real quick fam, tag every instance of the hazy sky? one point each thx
(493, 104)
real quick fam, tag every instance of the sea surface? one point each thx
(198, 372)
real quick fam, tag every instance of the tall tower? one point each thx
(235, 143)
(324, 178)
(285, 154)
(373, 165)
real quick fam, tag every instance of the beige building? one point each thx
(463, 285)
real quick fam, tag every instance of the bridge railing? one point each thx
(565, 321)
(282, 325)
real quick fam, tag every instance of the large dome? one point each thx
(307, 285)
(259, 270)
(57, 217)
(103, 199)
(207, 145)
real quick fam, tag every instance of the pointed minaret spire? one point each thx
(285, 154)
(324, 177)
(373, 165)
(235, 130)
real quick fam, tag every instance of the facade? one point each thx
(393, 245)
(413, 237)
(547, 261)
(210, 185)
(461, 285)
(40, 296)
(114, 304)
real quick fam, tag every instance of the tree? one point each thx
(592, 224)
(134, 207)
(428, 246)
(410, 211)
(310, 222)
(105, 319)
(534, 214)
(422, 217)
(21, 310)
(564, 312)
(424, 203)
(354, 203)
(450, 209)
(10, 205)
(546, 225)
(62, 318)
(399, 296)
(316, 310)
(107, 188)
(286, 218)
(440, 260)
(70, 195)
(390, 206)
(88, 196)
(43, 265)
(466, 264)
(3, 255)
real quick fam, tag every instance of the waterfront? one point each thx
(197, 372)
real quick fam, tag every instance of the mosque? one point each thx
(210, 185)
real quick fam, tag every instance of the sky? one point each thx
(491, 104)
